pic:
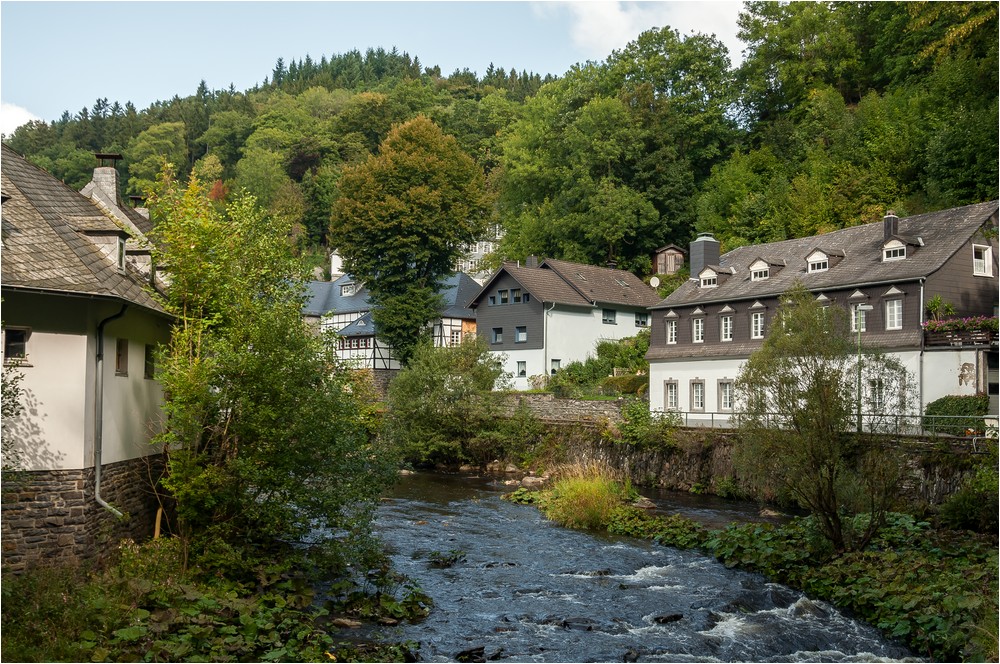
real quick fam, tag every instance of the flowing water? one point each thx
(529, 591)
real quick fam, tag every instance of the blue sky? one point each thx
(57, 56)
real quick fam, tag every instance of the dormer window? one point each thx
(760, 275)
(121, 254)
(709, 281)
(761, 269)
(819, 264)
(894, 250)
(347, 290)
(821, 260)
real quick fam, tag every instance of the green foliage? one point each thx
(800, 424)
(956, 415)
(401, 221)
(975, 505)
(145, 607)
(12, 405)
(586, 501)
(642, 430)
(443, 399)
(159, 147)
(594, 375)
(671, 530)
(518, 437)
(265, 439)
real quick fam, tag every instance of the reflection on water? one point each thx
(530, 591)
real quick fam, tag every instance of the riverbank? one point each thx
(933, 590)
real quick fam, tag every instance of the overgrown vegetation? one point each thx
(957, 415)
(641, 429)
(145, 607)
(934, 590)
(596, 375)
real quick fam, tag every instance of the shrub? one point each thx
(584, 497)
(956, 414)
(640, 429)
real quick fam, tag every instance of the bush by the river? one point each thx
(933, 589)
(145, 607)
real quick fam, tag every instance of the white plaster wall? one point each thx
(709, 371)
(573, 334)
(534, 366)
(52, 427)
(942, 372)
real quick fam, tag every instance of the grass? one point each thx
(585, 496)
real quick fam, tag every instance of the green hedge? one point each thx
(957, 415)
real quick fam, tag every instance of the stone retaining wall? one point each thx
(51, 517)
(702, 459)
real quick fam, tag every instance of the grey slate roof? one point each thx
(323, 297)
(576, 284)
(943, 233)
(43, 243)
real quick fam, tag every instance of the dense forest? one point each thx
(839, 112)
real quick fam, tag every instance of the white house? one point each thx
(543, 316)
(80, 325)
(884, 273)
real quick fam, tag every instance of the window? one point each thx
(709, 282)
(527, 297)
(876, 396)
(609, 316)
(456, 337)
(725, 395)
(121, 254)
(982, 260)
(697, 395)
(759, 275)
(346, 290)
(555, 365)
(641, 319)
(493, 300)
(504, 295)
(894, 315)
(515, 294)
(121, 357)
(520, 334)
(757, 325)
(15, 344)
(671, 331)
(522, 369)
(670, 395)
(498, 335)
(726, 328)
(894, 252)
(149, 361)
(819, 265)
(859, 317)
(698, 330)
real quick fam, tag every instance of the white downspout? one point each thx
(920, 358)
(99, 412)
(545, 341)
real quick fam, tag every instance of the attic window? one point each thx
(893, 251)
(121, 254)
(710, 281)
(622, 283)
(759, 275)
(582, 278)
(346, 290)
(819, 264)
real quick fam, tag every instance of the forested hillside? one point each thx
(839, 112)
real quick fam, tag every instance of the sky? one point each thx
(63, 56)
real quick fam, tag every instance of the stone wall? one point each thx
(702, 458)
(51, 517)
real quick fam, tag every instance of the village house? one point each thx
(885, 273)
(542, 316)
(343, 307)
(80, 325)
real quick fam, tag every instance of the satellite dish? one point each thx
(655, 282)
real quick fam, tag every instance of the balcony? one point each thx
(973, 331)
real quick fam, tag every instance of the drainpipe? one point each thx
(920, 358)
(99, 412)
(546, 371)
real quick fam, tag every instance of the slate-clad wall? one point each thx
(51, 517)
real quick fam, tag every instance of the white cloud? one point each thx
(599, 28)
(12, 117)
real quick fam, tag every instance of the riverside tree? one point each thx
(799, 416)
(402, 219)
(263, 440)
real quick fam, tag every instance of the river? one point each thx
(525, 590)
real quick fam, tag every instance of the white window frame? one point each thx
(819, 265)
(20, 357)
(671, 399)
(520, 334)
(982, 267)
(522, 368)
(760, 275)
(725, 395)
(671, 332)
(757, 325)
(456, 337)
(894, 314)
(555, 365)
(726, 328)
(698, 395)
(855, 314)
(894, 251)
(710, 282)
(121, 254)
(346, 290)
(497, 335)
(698, 330)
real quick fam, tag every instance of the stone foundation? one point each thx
(51, 517)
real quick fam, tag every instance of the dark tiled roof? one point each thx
(323, 297)
(943, 233)
(43, 243)
(362, 327)
(576, 284)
